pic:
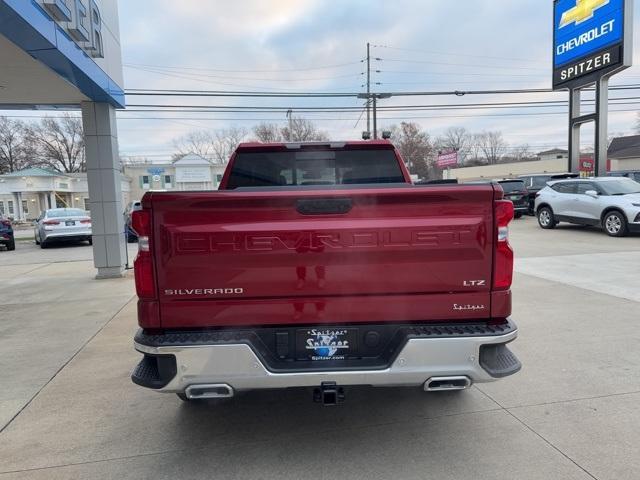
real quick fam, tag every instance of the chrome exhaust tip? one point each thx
(213, 390)
(440, 384)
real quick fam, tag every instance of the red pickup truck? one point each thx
(321, 265)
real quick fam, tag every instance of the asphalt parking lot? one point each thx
(68, 409)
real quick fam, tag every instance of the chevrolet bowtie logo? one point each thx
(582, 12)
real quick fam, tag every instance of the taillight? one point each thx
(503, 260)
(85, 221)
(51, 222)
(143, 264)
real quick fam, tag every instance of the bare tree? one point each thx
(214, 145)
(492, 146)
(474, 150)
(200, 142)
(456, 139)
(226, 141)
(302, 130)
(267, 132)
(416, 149)
(298, 129)
(522, 153)
(58, 143)
(16, 151)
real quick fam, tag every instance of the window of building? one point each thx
(25, 207)
(10, 207)
(559, 156)
(219, 178)
(145, 183)
(1, 208)
(86, 204)
(168, 181)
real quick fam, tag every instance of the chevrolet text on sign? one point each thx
(589, 38)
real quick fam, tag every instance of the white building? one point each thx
(624, 153)
(554, 154)
(191, 172)
(26, 193)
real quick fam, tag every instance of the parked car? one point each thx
(537, 181)
(129, 232)
(6, 233)
(632, 174)
(612, 203)
(62, 224)
(321, 265)
(515, 190)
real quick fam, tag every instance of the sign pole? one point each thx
(602, 114)
(574, 130)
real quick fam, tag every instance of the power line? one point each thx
(305, 79)
(475, 65)
(463, 74)
(333, 119)
(450, 54)
(196, 78)
(304, 69)
(141, 108)
(293, 94)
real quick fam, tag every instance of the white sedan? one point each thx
(62, 224)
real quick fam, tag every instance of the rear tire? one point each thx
(546, 218)
(131, 238)
(11, 245)
(43, 245)
(615, 224)
(90, 240)
(518, 215)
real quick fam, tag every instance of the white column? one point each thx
(17, 209)
(105, 194)
(52, 199)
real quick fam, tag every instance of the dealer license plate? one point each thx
(326, 343)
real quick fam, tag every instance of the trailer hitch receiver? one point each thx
(329, 394)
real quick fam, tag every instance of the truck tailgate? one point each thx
(233, 258)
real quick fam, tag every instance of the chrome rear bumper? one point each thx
(479, 358)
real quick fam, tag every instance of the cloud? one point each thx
(318, 45)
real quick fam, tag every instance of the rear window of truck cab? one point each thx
(314, 167)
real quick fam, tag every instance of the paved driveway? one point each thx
(69, 410)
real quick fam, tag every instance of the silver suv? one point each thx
(609, 202)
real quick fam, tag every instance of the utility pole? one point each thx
(290, 119)
(368, 88)
(375, 118)
(374, 97)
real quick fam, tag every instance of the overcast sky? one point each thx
(319, 45)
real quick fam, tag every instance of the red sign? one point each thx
(586, 165)
(448, 159)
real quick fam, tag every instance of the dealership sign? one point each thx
(591, 38)
(81, 20)
(447, 159)
(193, 174)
